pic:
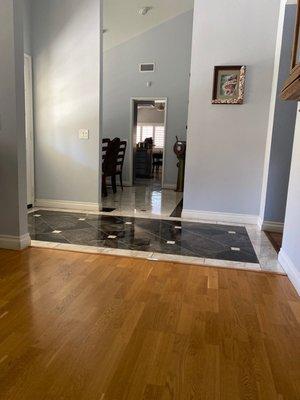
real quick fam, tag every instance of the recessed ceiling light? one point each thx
(144, 10)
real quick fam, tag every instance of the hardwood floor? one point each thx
(276, 239)
(80, 326)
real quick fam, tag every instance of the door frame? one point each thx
(130, 143)
(29, 126)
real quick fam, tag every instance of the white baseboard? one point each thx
(127, 184)
(290, 269)
(15, 242)
(67, 205)
(171, 186)
(220, 217)
(272, 226)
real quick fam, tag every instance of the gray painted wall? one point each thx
(283, 131)
(13, 211)
(66, 50)
(226, 144)
(27, 26)
(169, 45)
(290, 252)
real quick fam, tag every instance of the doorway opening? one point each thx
(148, 137)
(29, 129)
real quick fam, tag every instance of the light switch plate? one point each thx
(84, 134)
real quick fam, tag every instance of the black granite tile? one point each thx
(37, 225)
(64, 223)
(151, 235)
(49, 237)
(93, 237)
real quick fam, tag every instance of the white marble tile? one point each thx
(176, 258)
(47, 245)
(132, 201)
(126, 253)
(267, 256)
(77, 247)
(232, 264)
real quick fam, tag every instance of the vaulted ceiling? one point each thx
(122, 19)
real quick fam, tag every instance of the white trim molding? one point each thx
(290, 269)
(271, 226)
(67, 205)
(221, 217)
(171, 186)
(15, 242)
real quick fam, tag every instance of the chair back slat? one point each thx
(109, 165)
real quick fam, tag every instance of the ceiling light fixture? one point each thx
(144, 10)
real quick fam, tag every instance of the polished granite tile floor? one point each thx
(145, 199)
(180, 238)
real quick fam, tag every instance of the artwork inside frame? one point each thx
(229, 84)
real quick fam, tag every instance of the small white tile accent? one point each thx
(128, 223)
(81, 219)
(56, 232)
(235, 249)
(232, 232)
(111, 237)
(178, 227)
(171, 242)
(37, 215)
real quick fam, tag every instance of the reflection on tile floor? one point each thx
(180, 238)
(145, 199)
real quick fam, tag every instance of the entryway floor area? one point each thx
(182, 241)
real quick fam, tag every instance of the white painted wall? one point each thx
(169, 45)
(13, 212)
(226, 144)
(27, 26)
(66, 64)
(289, 256)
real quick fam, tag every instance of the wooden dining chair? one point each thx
(105, 143)
(120, 161)
(157, 161)
(109, 165)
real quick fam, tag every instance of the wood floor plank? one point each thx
(93, 327)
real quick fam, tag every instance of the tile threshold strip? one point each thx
(150, 256)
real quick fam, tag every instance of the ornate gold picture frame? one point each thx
(229, 84)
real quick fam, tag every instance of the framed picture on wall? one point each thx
(229, 84)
